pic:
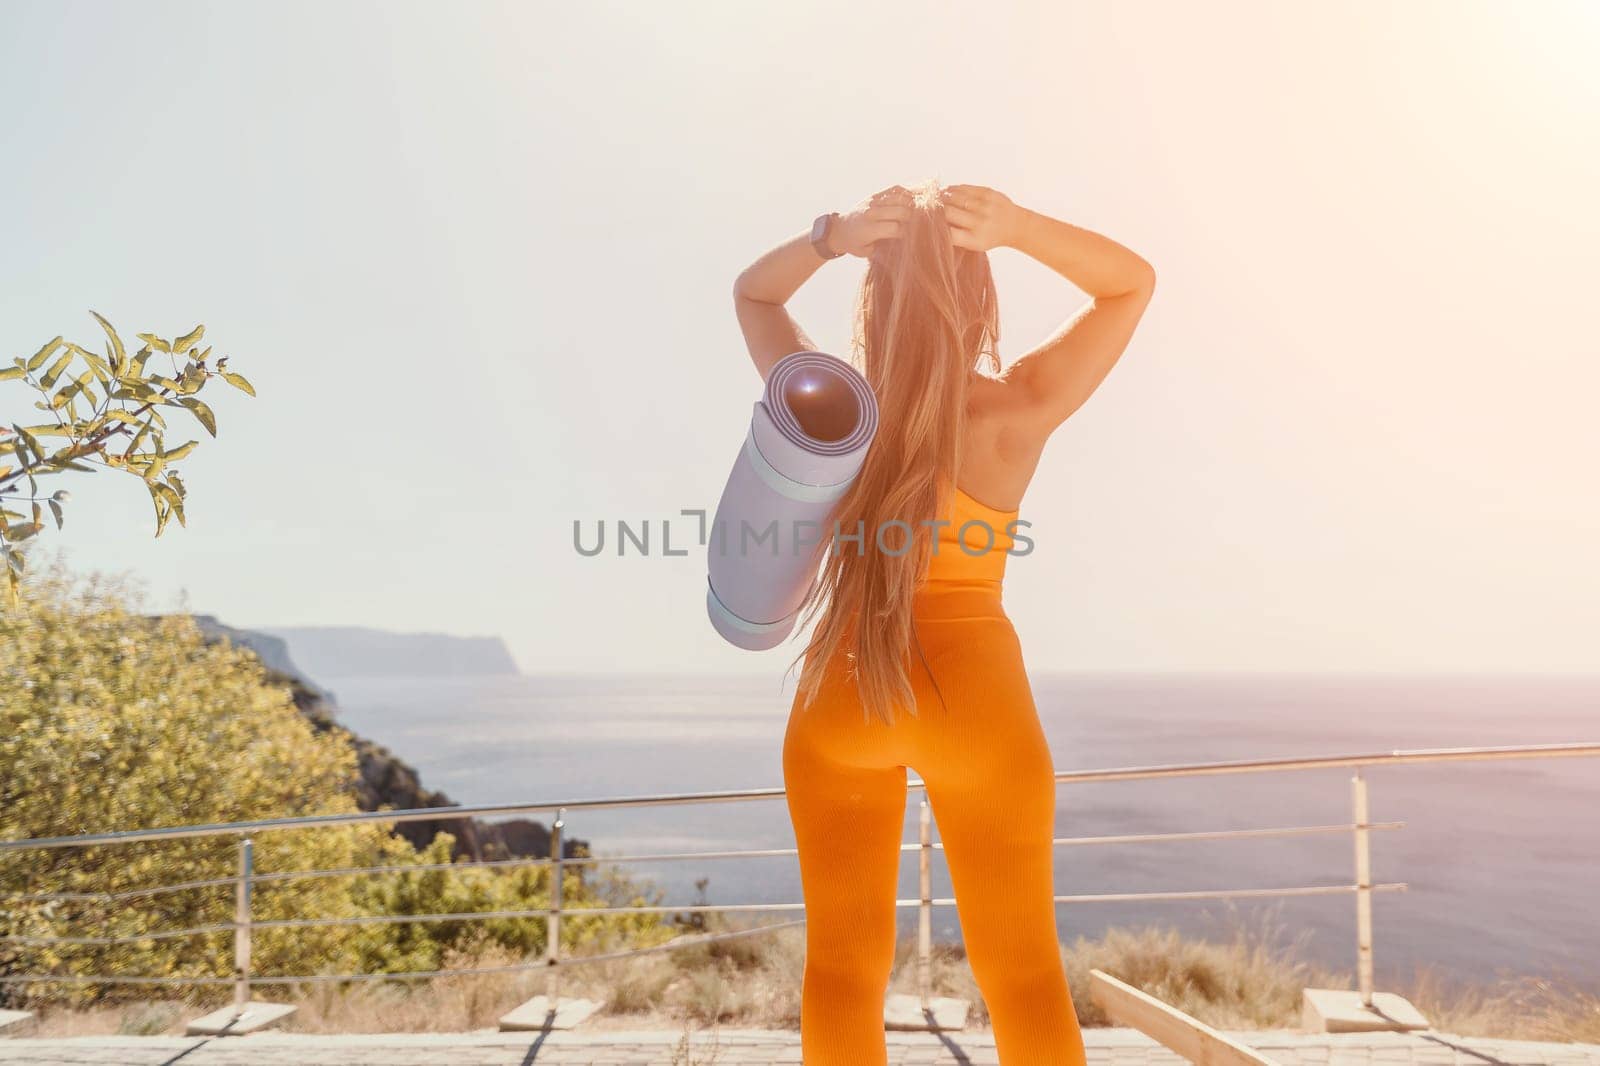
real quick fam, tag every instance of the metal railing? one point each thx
(243, 883)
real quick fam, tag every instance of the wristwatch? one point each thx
(820, 231)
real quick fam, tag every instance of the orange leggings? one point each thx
(991, 785)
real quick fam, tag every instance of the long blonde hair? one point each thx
(926, 318)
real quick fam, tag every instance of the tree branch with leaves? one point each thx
(104, 411)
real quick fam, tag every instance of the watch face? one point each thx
(819, 229)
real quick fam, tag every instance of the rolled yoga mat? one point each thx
(808, 437)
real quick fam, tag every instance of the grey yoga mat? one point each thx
(808, 436)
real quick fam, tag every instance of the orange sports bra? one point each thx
(971, 543)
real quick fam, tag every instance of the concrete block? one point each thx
(1339, 1010)
(234, 1021)
(539, 1014)
(907, 1013)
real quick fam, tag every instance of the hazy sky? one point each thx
(477, 260)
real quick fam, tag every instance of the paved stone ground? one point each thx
(747, 1047)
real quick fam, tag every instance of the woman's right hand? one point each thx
(876, 218)
(980, 218)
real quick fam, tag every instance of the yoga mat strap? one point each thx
(788, 486)
(752, 636)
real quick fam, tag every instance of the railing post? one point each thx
(925, 907)
(1358, 796)
(241, 924)
(552, 947)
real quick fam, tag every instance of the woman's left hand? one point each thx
(875, 219)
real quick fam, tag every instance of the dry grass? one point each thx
(446, 1005)
(688, 1052)
(1524, 1008)
(150, 1018)
(1250, 978)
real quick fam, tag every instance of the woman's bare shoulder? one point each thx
(1000, 448)
(998, 409)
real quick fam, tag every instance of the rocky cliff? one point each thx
(345, 651)
(384, 779)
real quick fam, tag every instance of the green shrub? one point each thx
(112, 720)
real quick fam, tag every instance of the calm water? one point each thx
(1502, 859)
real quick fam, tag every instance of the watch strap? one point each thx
(821, 231)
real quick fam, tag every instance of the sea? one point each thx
(1500, 859)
